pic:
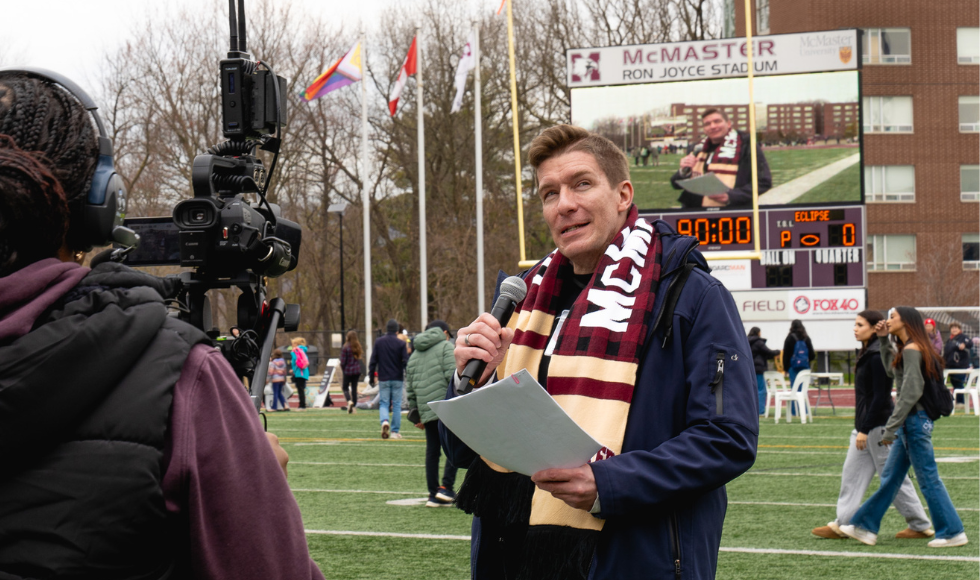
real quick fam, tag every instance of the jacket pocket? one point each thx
(718, 383)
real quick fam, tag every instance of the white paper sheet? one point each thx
(707, 184)
(516, 424)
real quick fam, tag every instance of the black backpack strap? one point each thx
(666, 317)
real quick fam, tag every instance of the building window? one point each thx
(968, 45)
(891, 252)
(969, 182)
(970, 114)
(762, 16)
(887, 46)
(971, 251)
(887, 114)
(889, 183)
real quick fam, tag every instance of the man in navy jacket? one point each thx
(389, 358)
(692, 424)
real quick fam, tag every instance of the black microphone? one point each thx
(512, 291)
(686, 171)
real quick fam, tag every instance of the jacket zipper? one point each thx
(675, 544)
(717, 385)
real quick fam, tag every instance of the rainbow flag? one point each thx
(345, 71)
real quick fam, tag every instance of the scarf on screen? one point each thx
(591, 374)
(722, 159)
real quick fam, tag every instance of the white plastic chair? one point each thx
(797, 394)
(969, 392)
(775, 383)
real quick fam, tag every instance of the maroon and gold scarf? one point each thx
(721, 159)
(592, 374)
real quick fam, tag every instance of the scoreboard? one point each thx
(812, 247)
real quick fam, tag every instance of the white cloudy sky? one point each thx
(71, 36)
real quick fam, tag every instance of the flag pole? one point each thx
(517, 138)
(423, 266)
(366, 169)
(478, 124)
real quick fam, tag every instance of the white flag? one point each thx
(466, 64)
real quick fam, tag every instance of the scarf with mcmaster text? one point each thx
(591, 374)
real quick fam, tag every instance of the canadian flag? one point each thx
(408, 68)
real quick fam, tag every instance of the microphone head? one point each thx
(698, 148)
(513, 288)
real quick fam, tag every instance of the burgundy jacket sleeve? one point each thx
(224, 485)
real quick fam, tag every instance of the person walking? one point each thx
(429, 370)
(865, 454)
(277, 374)
(300, 362)
(956, 354)
(389, 357)
(909, 433)
(352, 368)
(798, 353)
(761, 354)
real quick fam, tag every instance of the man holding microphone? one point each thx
(725, 152)
(663, 379)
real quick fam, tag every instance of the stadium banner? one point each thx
(800, 303)
(835, 50)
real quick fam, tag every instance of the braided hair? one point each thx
(39, 115)
(33, 209)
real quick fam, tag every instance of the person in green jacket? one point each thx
(429, 370)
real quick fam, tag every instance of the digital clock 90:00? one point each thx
(723, 230)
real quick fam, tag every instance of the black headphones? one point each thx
(92, 222)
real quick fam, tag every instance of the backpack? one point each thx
(936, 400)
(801, 356)
(301, 360)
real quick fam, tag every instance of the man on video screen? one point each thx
(725, 152)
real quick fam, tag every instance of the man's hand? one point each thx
(721, 198)
(688, 161)
(483, 339)
(861, 442)
(576, 487)
(420, 425)
(281, 456)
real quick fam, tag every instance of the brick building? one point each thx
(737, 114)
(921, 116)
(796, 119)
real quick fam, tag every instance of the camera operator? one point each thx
(130, 448)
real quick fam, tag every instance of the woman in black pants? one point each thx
(350, 365)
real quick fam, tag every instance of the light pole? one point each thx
(339, 209)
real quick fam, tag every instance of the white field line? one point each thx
(723, 549)
(388, 535)
(346, 464)
(791, 474)
(849, 554)
(809, 505)
(380, 492)
(972, 439)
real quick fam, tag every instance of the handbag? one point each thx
(414, 416)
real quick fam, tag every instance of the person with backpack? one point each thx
(865, 456)
(301, 369)
(277, 375)
(798, 353)
(922, 398)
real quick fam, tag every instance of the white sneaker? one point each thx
(860, 534)
(396, 435)
(957, 540)
(385, 429)
(836, 528)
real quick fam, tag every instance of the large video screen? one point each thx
(688, 147)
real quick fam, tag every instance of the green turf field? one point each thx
(653, 190)
(343, 475)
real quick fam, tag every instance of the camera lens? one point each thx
(195, 214)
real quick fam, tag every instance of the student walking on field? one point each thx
(430, 368)
(865, 454)
(914, 365)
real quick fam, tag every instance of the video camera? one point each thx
(227, 240)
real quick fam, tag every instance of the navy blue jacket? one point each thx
(663, 497)
(389, 357)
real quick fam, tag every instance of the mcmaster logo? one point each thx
(585, 67)
(801, 305)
